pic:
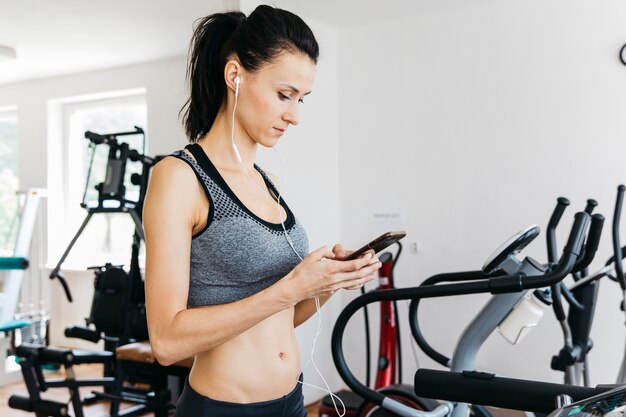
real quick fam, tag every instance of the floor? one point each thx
(61, 395)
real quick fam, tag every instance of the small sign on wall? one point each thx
(387, 218)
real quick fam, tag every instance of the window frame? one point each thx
(63, 110)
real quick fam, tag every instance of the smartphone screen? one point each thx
(383, 241)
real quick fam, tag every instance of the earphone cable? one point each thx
(311, 359)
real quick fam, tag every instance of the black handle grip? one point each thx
(27, 350)
(561, 204)
(109, 138)
(43, 407)
(488, 389)
(18, 402)
(591, 205)
(96, 138)
(84, 333)
(593, 241)
(56, 355)
(577, 235)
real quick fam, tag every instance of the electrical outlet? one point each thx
(415, 248)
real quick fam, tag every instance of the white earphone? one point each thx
(237, 81)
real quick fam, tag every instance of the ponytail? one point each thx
(253, 41)
(210, 47)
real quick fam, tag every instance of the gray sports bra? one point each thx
(237, 254)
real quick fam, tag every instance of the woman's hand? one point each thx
(323, 272)
(341, 253)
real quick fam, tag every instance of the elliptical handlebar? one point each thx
(561, 205)
(497, 285)
(589, 252)
(617, 250)
(432, 353)
(488, 389)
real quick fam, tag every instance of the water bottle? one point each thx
(525, 315)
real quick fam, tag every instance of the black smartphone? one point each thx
(378, 244)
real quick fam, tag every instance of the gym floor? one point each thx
(56, 394)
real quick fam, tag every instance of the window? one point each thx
(9, 183)
(108, 236)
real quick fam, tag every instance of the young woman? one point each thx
(228, 277)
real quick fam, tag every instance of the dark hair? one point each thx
(254, 41)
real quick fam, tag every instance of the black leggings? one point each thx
(193, 404)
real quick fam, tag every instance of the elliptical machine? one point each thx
(581, 296)
(475, 282)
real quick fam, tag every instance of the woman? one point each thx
(227, 279)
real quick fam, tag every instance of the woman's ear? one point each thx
(233, 71)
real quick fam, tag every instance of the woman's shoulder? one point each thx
(173, 166)
(173, 175)
(173, 188)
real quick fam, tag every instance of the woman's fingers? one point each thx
(362, 276)
(321, 253)
(339, 251)
(356, 264)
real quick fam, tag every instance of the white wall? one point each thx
(471, 122)
(309, 150)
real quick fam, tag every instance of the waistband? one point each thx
(273, 407)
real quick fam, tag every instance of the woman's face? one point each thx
(270, 99)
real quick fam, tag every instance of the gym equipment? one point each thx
(581, 297)
(111, 193)
(465, 353)
(500, 308)
(32, 359)
(17, 264)
(576, 324)
(389, 364)
(30, 322)
(618, 255)
(117, 313)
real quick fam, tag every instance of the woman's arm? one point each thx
(172, 210)
(304, 310)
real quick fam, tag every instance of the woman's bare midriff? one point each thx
(260, 364)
